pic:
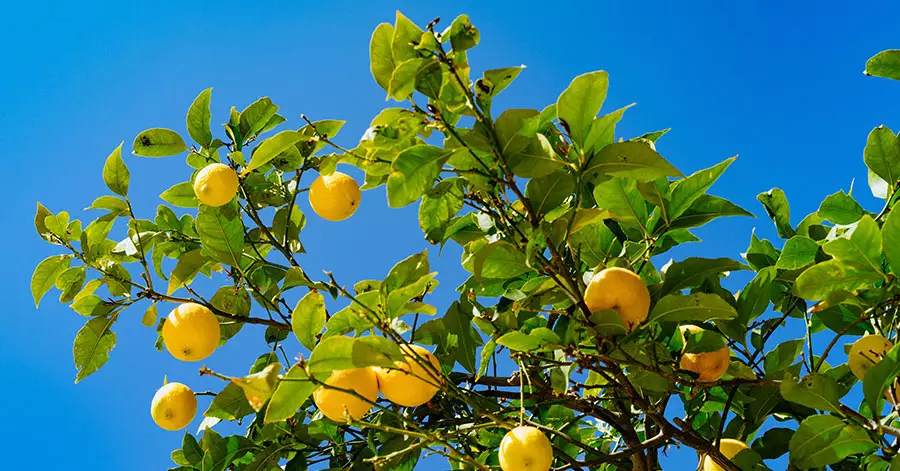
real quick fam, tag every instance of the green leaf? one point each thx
(234, 301)
(158, 142)
(271, 148)
(880, 377)
(631, 159)
(821, 440)
(308, 318)
(693, 271)
(229, 404)
(110, 203)
(487, 354)
(621, 197)
(406, 272)
(693, 307)
(403, 78)
(863, 247)
(773, 443)
(293, 390)
(816, 391)
(596, 242)
(458, 322)
(782, 356)
(498, 79)
(189, 264)
(181, 195)
(45, 275)
(603, 129)
(439, 205)
(818, 281)
(406, 33)
(255, 116)
(882, 154)
(580, 102)
(344, 353)
(548, 192)
(39, 217)
(70, 282)
(705, 209)
(462, 34)
(413, 173)
(91, 305)
(221, 233)
(799, 252)
(191, 449)
(380, 58)
(534, 340)
(115, 174)
(884, 64)
(776, 205)
(890, 237)
(685, 192)
(500, 260)
(92, 345)
(199, 118)
(754, 299)
(840, 208)
(608, 323)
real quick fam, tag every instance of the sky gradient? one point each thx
(780, 87)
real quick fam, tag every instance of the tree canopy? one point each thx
(614, 357)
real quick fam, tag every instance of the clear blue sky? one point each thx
(782, 87)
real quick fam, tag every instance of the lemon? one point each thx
(191, 332)
(622, 290)
(709, 366)
(174, 406)
(525, 448)
(216, 184)
(728, 447)
(411, 383)
(866, 353)
(334, 197)
(338, 405)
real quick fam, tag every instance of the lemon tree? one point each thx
(576, 342)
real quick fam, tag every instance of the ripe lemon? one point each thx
(709, 366)
(525, 448)
(411, 384)
(622, 290)
(216, 184)
(866, 353)
(729, 447)
(174, 406)
(191, 332)
(337, 405)
(334, 197)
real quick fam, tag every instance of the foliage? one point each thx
(538, 200)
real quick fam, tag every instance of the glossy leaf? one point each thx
(115, 174)
(308, 318)
(158, 142)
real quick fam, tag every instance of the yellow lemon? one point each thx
(525, 448)
(411, 383)
(191, 332)
(334, 197)
(622, 290)
(337, 405)
(728, 447)
(866, 353)
(216, 184)
(709, 366)
(174, 406)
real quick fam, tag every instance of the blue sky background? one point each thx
(782, 87)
